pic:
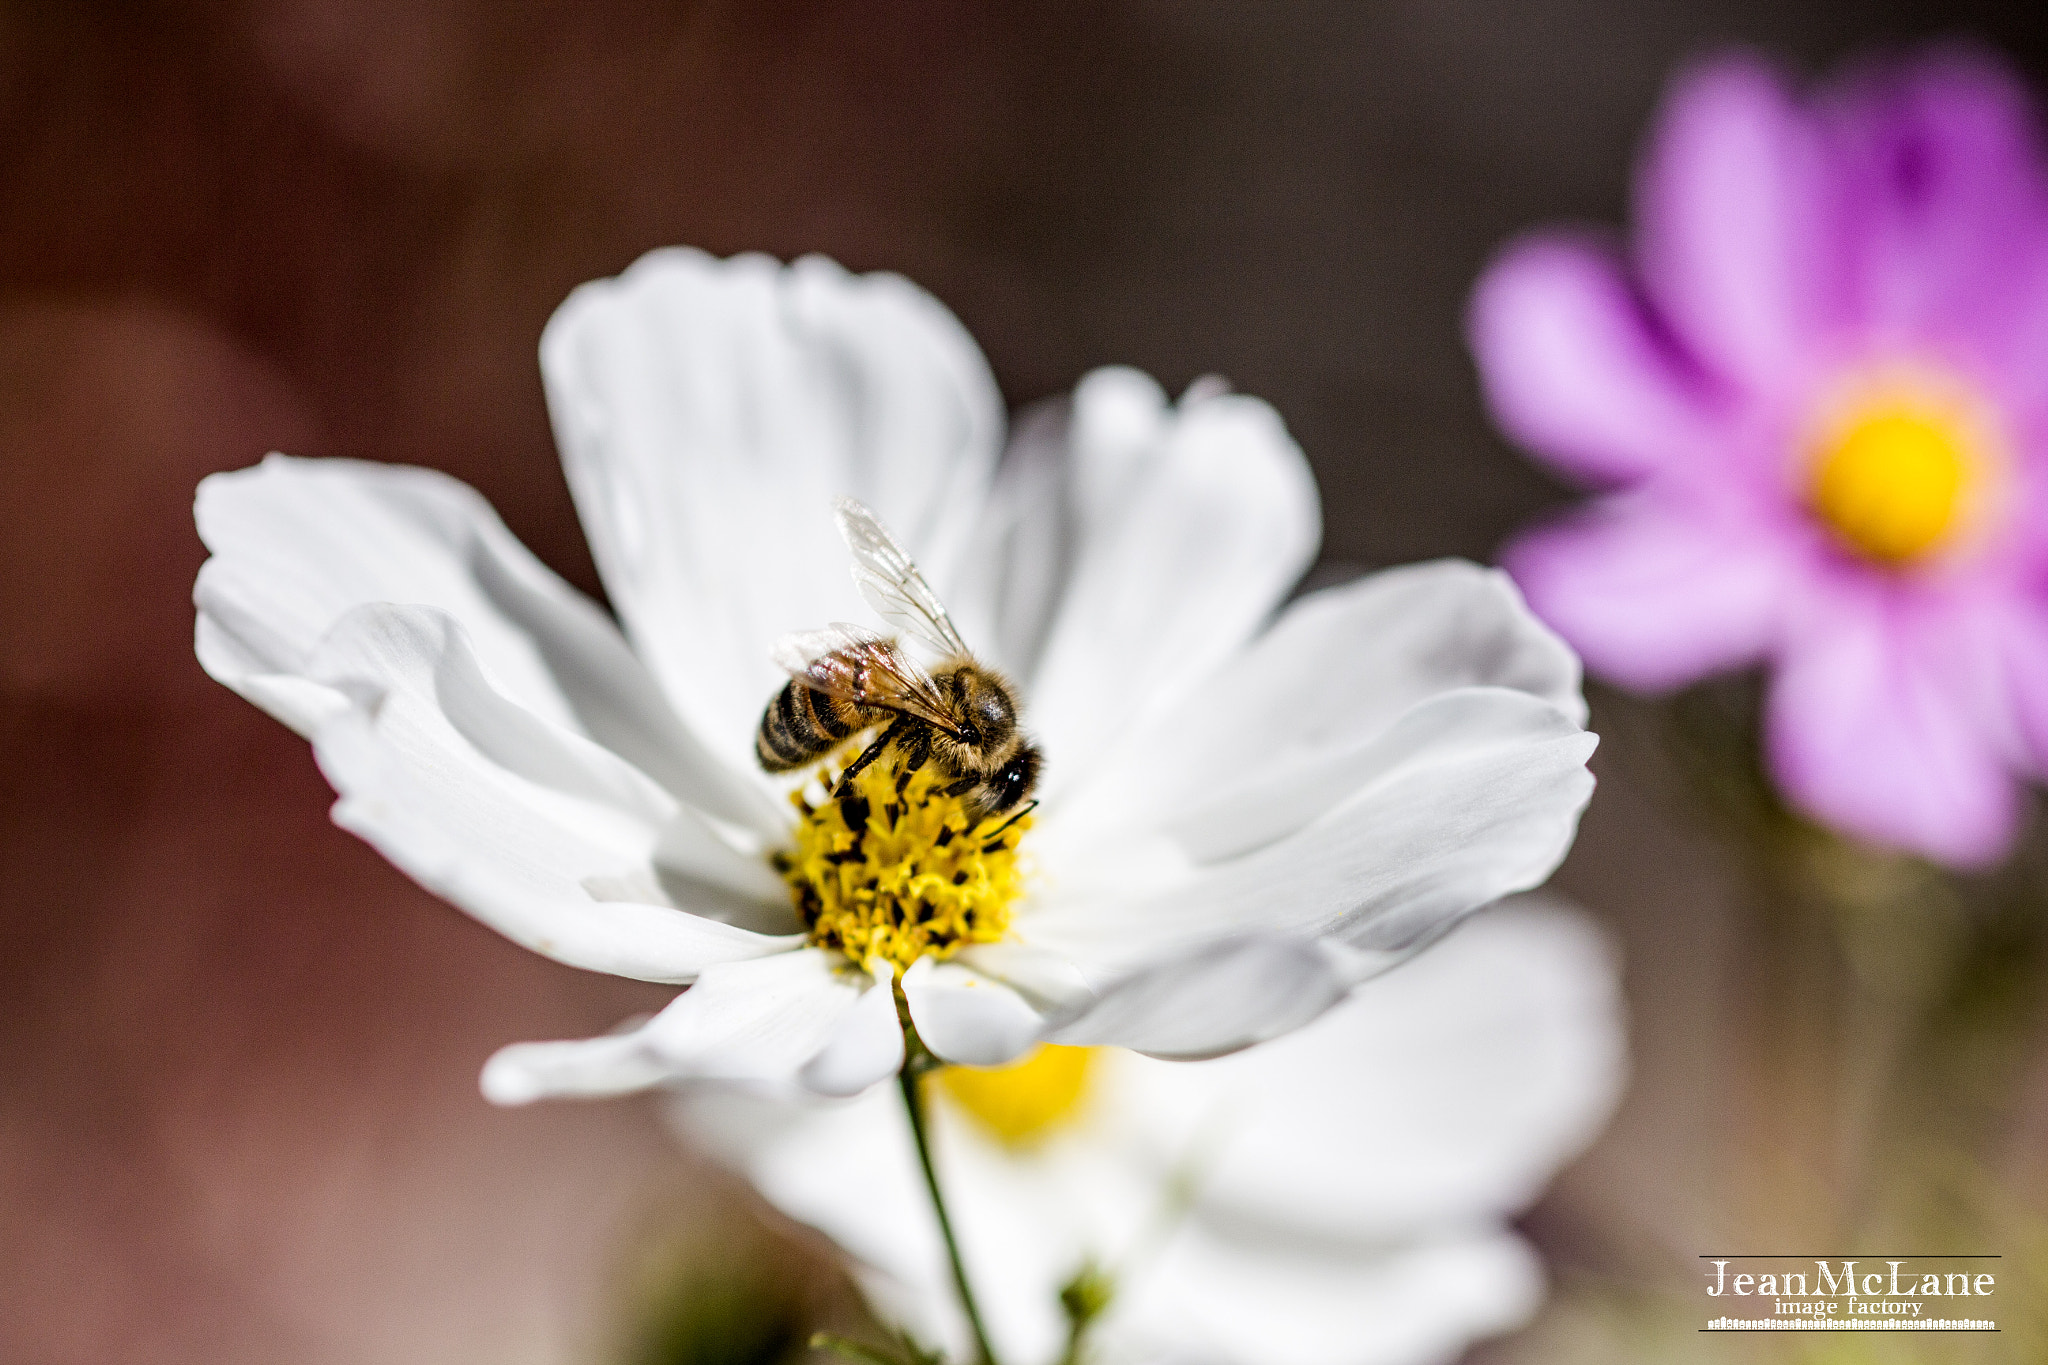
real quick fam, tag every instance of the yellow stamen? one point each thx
(1025, 1102)
(898, 870)
(1896, 475)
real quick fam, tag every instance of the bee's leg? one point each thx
(963, 786)
(917, 747)
(870, 754)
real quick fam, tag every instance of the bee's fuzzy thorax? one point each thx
(895, 868)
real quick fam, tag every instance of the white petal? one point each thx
(1217, 999)
(1444, 1093)
(1470, 796)
(1191, 525)
(1334, 672)
(297, 544)
(709, 411)
(762, 1021)
(967, 1017)
(759, 1020)
(1007, 592)
(868, 1045)
(1049, 981)
(1218, 1300)
(590, 1068)
(511, 818)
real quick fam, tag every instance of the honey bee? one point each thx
(961, 716)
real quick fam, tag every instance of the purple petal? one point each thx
(1655, 589)
(1729, 213)
(1573, 369)
(1873, 728)
(2020, 637)
(1947, 210)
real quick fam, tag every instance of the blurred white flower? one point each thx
(1241, 820)
(1346, 1188)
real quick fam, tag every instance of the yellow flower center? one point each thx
(1896, 475)
(1025, 1102)
(895, 868)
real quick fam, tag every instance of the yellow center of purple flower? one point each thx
(1897, 475)
(1024, 1103)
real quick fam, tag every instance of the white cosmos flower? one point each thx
(1346, 1188)
(1243, 816)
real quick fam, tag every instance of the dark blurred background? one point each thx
(238, 1053)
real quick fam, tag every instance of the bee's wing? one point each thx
(891, 583)
(858, 665)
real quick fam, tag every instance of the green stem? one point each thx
(916, 1063)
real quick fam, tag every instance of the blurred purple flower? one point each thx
(1814, 394)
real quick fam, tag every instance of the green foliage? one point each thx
(722, 1316)
(1084, 1299)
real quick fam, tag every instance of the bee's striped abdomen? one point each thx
(802, 725)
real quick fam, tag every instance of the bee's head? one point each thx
(1011, 783)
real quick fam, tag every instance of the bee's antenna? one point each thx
(997, 831)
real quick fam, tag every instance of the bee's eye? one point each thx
(967, 734)
(1015, 779)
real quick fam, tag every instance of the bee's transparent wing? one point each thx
(860, 666)
(891, 583)
(799, 651)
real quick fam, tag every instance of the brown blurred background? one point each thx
(238, 1107)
